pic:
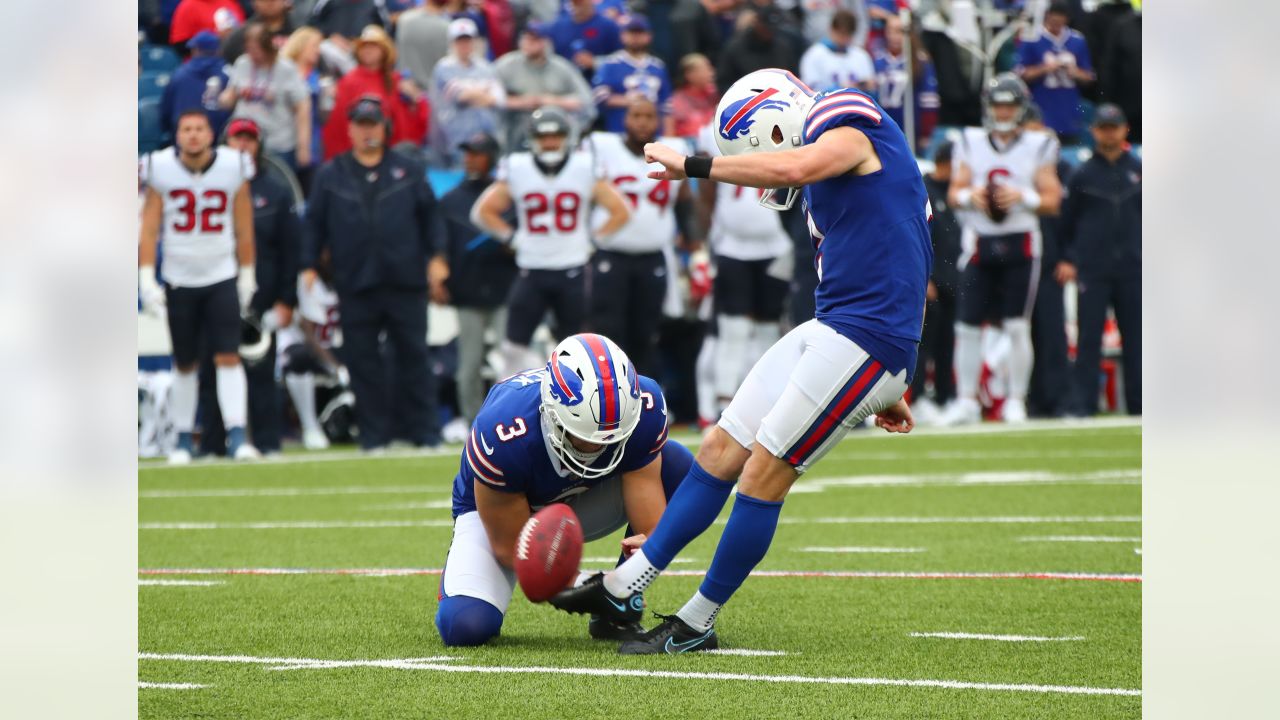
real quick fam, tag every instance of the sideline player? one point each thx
(552, 189)
(1006, 176)
(198, 197)
(310, 347)
(585, 430)
(629, 270)
(868, 214)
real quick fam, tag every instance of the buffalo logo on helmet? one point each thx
(738, 117)
(566, 386)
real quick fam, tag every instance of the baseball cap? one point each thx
(636, 23)
(367, 109)
(540, 29)
(463, 27)
(204, 41)
(1109, 114)
(481, 143)
(244, 126)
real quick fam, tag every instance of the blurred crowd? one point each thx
(453, 83)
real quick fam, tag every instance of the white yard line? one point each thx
(1103, 477)
(1000, 638)
(178, 583)
(438, 665)
(296, 525)
(744, 652)
(310, 457)
(1080, 539)
(861, 550)
(843, 574)
(295, 491)
(170, 686)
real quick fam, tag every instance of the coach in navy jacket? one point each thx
(373, 212)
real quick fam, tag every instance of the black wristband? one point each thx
(697, 166)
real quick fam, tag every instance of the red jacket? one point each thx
(409, 120)
(192, 16)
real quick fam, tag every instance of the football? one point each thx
(548, 552)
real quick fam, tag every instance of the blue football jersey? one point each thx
(870, 236)
(508, 451)
(1056, 93)
(621, 74)
(891, 88)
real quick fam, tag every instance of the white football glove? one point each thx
(246, 286)
(344, 377)
(150, 292)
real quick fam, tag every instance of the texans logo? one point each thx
(566, 386)
(737, 119)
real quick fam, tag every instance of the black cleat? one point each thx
(590, 597)
(672, 636)
(602, 628)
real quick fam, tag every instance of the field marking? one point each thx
(294, 491)
(1001, 638)
(295, 525)
(439, 665)
(973, 479)
(170, 686)
(193, 583)
(744, 652)
(206, 463)
(1080, 538)
(1039, 427)
(1135, 454)
(843, 574)
(937, 520)
(860, 550)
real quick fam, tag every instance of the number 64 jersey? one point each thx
(552, 211)
(197, 233)
(508, 450)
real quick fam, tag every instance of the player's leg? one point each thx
(472, 323)
(1127, 301)
(222, 323)
(1021, 283)
(733, 325)
(644, 312)
(475, 589)
(1093, 297)
(361, 322)
(300, 370)
(944, 379)
(568, 296)
(526, 306)
(406, 313)
(264, 402)
(184, 320)
(975, 286)
(610, 291)
(770, 285)
(704, 380)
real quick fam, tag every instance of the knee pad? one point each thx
(466, 621)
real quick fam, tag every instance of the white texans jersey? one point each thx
(552, 211)
(320, 306)
(652, 226)
(742, 228)
(197, 231)
(1015, 166)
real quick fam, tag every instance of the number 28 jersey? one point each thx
(507, 450)
(197, 233)
(552, 211)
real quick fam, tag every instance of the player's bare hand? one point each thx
(896, 418)
(1007, 197)
(308, 278)
(1064, 273)
(672, 162)
(931, 292)
(979, 200)
(633, 543)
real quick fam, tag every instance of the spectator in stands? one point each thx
(303, 50)
(345, 20)
(274, 16)
(268, 89)
(881, 13)
(1054, 66)
(534, 77)
(422, 36)
(192, 16)
(196, 84)
(582, 35)
(817, 15)
(481, 271)
(466, 92)
(937, 337)
(693, 105)
(630, 73)
(1121, 79)
(1102, 252)
(701, 26)
(892, 83)
(277, 237)
(376, 214)
(763, 40)
(402, 102)
(835, 62)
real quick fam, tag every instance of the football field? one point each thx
(982, 574)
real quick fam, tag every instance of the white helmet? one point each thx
(592, 392)
(764, 112)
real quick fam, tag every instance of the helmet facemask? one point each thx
(576, 461)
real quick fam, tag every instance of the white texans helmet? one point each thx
(590, 391)
(764, 112)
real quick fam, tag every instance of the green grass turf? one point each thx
(829, 627)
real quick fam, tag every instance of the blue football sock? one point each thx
(743, 545)
(694, 506)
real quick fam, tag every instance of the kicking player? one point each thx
(199, 199)
(552, 190)
(585, 430)
(629, 270)
(1006, 176)
(868, 214)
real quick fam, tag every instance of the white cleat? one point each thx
(456, 431)
(1014, 411)
(246, 451)
(180, 456)
(925, 412)
(315, 440)
(961, 411)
